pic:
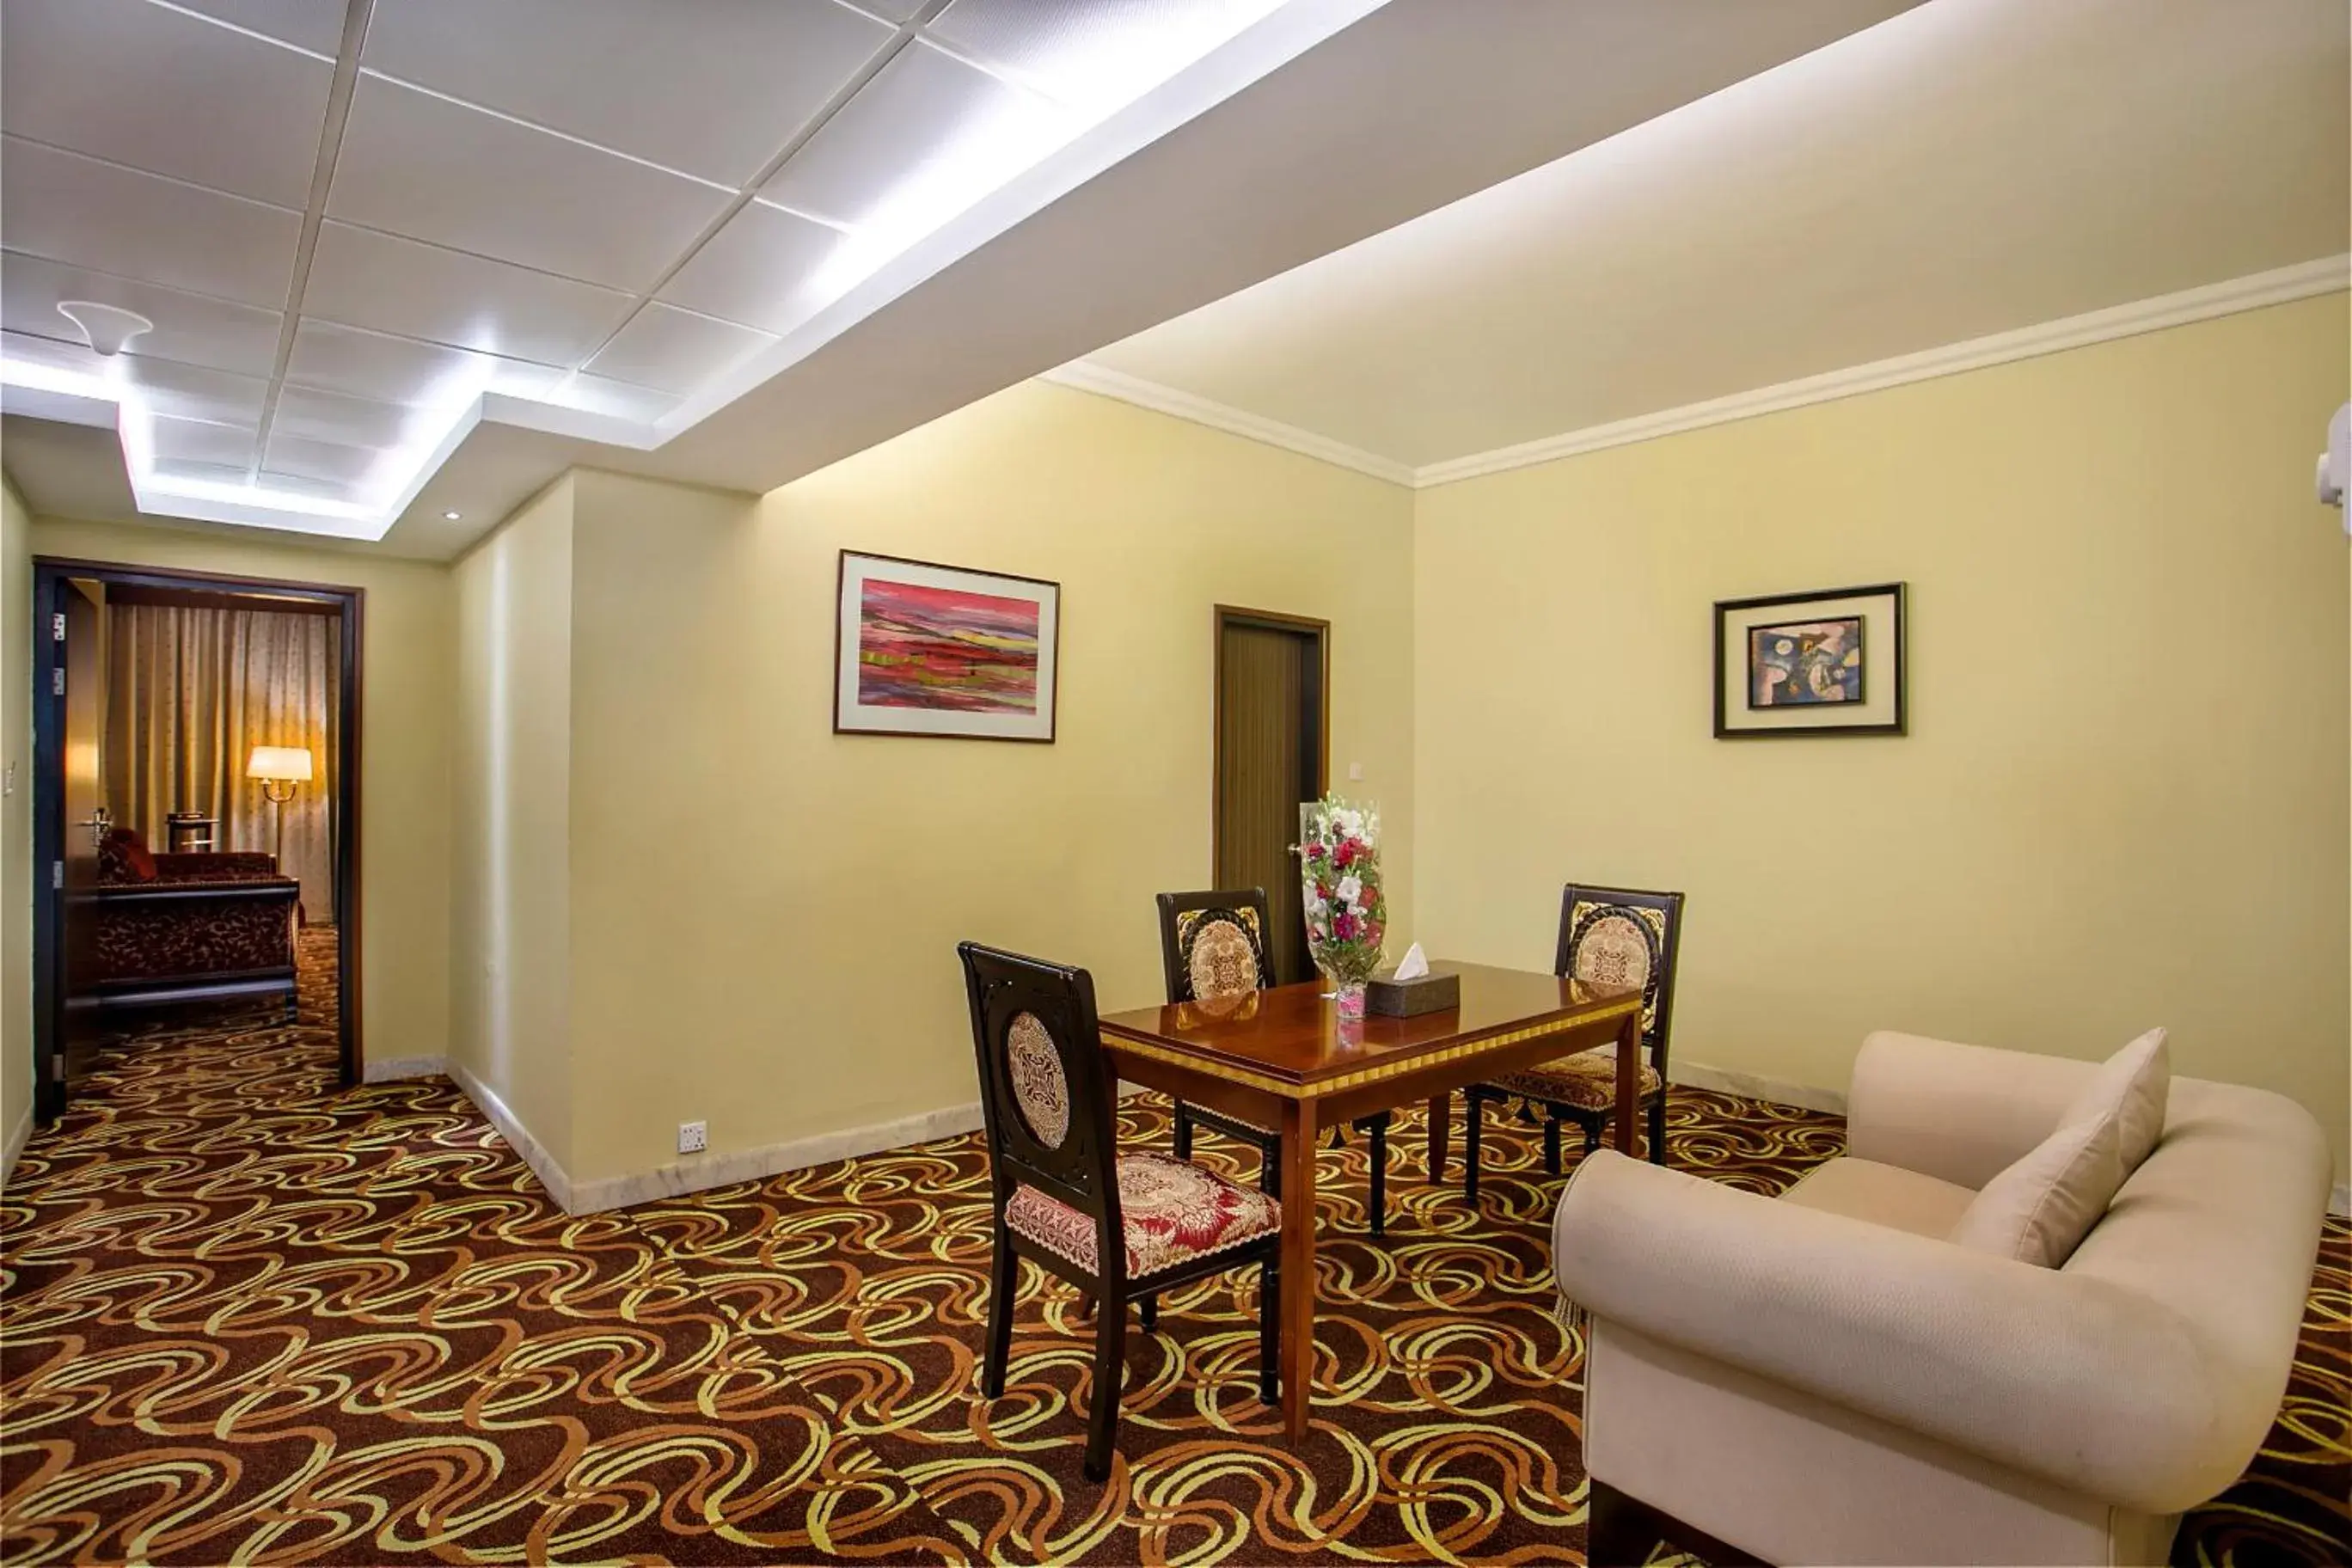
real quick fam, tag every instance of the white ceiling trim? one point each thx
(1101, 379)
(2280, 286)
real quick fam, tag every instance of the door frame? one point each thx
(50, 574)
(1319, 668)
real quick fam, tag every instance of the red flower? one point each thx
(1315, 851)
(1345, 856)
(1343, 926)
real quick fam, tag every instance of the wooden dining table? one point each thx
(1283, 1058)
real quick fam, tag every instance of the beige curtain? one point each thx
(190, 692)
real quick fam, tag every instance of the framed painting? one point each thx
(924, 650)
(1825, 663)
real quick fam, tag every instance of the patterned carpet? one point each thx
(246, 1317)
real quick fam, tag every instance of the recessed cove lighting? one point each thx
(450, 516)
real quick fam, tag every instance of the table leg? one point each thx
(1629, 1085)
(1299, 1130)
(1441, 1119)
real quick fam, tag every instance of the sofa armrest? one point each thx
(2078, 1381)
(1960, 1113)
(225, 865)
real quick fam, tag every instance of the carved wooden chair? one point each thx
(1120, 1227)
(1213, 945)
(1610, 936)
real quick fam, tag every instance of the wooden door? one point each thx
(1270, 756)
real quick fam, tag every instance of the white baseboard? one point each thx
(519, 1138)
(1755, 1086)
(2339, 1202)
(18, 1136)
(725, 1167)
(399, 1068)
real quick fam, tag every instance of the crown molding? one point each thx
(2280, 286)
(1104, 382)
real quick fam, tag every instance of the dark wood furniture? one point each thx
(1281, 1057)
(1617, 936)
(1121, 1228)
(201, 927)
(190, 833)
(1212, 944)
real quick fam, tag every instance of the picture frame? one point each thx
(1828, 662)
(923, 648)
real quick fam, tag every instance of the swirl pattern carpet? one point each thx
(248, 1317)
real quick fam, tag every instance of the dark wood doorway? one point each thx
(1273, 751)
(69, 816)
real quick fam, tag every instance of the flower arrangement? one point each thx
(1347, 914)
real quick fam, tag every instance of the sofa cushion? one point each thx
(2134, 1083)
(123, 856)
(2040, 1209)
(1883, 1194)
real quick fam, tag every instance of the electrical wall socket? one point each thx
(693, 1137)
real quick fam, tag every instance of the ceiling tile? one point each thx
(307, 24)
(395, 370)
(891, 10)
(191, 392)
(423, 166)
(760, 270)
(599, 394)
(419, 290)
(198, 441)
(311, 486)
(925, 139)
(716, 97)
(318, 415)
(302, 457)
(118, 220)
(675, 351)
(1098, 54)
(181, 471)
(165, 91)
(193, 329)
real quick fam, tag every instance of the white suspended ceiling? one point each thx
(410, 255)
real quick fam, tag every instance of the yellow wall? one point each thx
(510, 990)
(765, 913)
(2122, 799)
(404, 752)
(15, 815)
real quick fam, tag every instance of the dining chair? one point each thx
(1212, 944)
(1121, 1228)
(1608, 936)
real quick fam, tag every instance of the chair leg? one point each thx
(1551, 1144)
(1269, 1332)
(1183, 1130)
(1658, 1129)
(1148, 1311)
(1003, 1272)
(1472, 1127)
(1380, 1194)
(1591, 1134)
(1110, 1363)
(1269, 1169)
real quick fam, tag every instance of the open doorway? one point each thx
(196, 810)
(1273, 751)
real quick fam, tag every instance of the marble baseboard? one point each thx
(2339, 1202)
(725, 1167)
(519, 1138)
(398, 1068)
(18, 1136)
(1755, 1086)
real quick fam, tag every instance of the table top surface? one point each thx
(1292, 1034)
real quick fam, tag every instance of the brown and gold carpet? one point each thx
(248, 1318)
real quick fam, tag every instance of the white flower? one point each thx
(1350, 889)
(1348, 824)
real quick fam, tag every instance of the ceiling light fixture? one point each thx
(450, 516)
(108, 327)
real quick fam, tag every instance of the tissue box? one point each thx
(1431, 992)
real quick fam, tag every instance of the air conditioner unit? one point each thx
(2336, 463)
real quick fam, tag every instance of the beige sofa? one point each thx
(1822, 1378)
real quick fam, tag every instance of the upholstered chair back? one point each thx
(1213, 943)
(1623, 937)
(1045, 1094)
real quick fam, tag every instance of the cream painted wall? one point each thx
(2122, 799)
(764, 913)
(404, 752)
(16, 824)
(510, 882)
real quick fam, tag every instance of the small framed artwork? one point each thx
(1825, 663)
(924, 650)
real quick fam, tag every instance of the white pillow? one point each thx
(2040, 1209)
(2136, 1083)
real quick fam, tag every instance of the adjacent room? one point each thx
(1209, 782)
